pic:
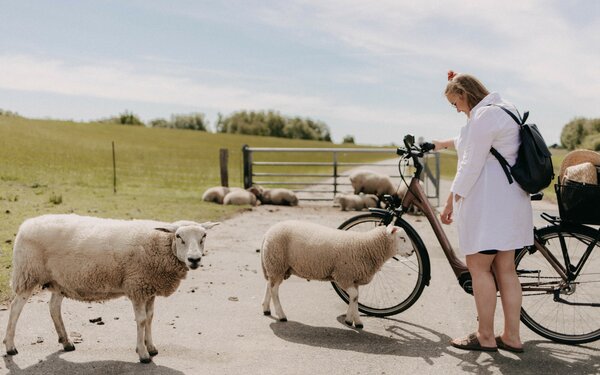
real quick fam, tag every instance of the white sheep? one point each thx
(217, 194)
(92, 259)
(370, 182)
(316, 252)
(242, 197)
(356, 202)
(278, 196)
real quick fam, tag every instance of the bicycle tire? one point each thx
(572, 319)
(400, 281)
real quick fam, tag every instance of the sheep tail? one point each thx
(262, 258)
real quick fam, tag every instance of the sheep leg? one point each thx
(139, 308)
(16, 306)
(352, 314)
(266, 305)
(55, 313)
(275, 295)
(148, 337)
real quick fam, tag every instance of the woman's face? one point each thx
(459, 102)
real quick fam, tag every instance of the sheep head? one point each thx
(189, 240)
(404, 247)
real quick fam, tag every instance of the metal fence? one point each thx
(324, 186)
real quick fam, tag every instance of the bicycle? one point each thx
(559, 273)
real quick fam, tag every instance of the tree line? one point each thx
(269, 123)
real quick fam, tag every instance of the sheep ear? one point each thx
(209, 224)
(391, 228)
(168, 229)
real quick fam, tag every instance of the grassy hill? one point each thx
(66, 167)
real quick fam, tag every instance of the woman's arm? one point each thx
(441, 145)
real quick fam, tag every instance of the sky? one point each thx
(375, 70)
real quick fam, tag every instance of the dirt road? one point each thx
(214, 323)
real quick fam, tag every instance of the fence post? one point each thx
(223, 162)
(335, 174)
(247, 160)
(114, 169)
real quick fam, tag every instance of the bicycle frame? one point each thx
(416, 196)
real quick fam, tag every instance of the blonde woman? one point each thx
(493, 217)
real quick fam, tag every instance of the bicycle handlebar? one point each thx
(414, 151)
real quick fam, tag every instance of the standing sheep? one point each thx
(356, 202)
(92, 259)
(279, 196)
(315, 252)
(370, 182)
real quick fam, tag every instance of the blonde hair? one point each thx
(467, 85)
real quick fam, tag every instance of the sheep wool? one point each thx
(279, 196)
(92, 259)
(370, 182)
(316, 252)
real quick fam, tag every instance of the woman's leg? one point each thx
(484, 291)
(511, 296)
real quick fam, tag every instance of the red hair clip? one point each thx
(451, 74)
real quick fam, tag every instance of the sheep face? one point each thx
(403, 246)
(189, 241)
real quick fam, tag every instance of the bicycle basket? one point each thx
(578, 202)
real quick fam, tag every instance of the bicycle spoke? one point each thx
(572, 317)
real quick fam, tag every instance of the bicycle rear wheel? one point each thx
(571, 314)
(400, 281)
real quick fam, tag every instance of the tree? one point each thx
(129, 118)
(348, 139)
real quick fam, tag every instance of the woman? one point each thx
(493, 217)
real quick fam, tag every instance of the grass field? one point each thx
(66, 167)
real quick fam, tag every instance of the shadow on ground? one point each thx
(54, 364)
(404, 339)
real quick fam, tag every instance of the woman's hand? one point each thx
(446, 215)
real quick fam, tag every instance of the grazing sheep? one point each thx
(278, 196)
(316, 252)
(217, 194)
(356, 202)
(241, 197)
(92, 259)
(370, 182)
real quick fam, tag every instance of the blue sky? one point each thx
(372, 69)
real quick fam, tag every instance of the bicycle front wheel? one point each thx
(570, 314)
(400, 281)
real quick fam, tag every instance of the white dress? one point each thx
(493, 214)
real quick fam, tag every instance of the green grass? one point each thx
(66, 167)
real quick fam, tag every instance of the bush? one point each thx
(273, 124)
(577, 130)
(591, 142)
(348, 139)
(192, 121)
(128, 118)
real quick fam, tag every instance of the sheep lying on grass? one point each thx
(92, 259)
(217, 194)
(242, 197)
(370, 182)
(315, 252)
(278, 196)
(356, 202)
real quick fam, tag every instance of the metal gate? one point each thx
(324, 186)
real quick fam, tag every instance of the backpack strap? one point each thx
(503, 163)
(520, 121)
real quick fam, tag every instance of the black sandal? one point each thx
(471, 342)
